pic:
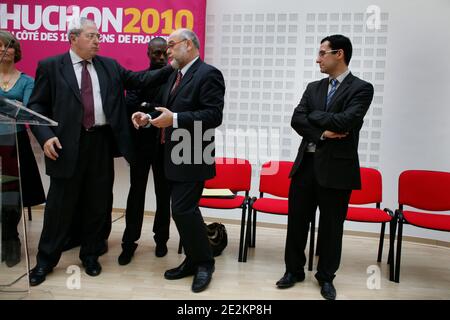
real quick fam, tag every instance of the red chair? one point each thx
(423, 190)
(274, 180)
(234, 174)
(371, 192)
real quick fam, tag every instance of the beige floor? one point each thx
(425, 271)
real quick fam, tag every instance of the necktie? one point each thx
(87, 96)
(175, 86)
(177, 82)
(330, 95)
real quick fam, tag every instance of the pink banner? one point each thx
(126, 26)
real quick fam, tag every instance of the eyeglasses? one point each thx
(91, 36)
(322, 53)
(170, 45)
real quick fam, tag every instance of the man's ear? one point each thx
(190, 45)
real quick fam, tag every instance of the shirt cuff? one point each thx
(322, 137)
(148, 124)
(175, 120)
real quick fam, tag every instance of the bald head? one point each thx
(183, 46)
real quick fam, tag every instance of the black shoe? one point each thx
(92, 267)
(328, 291)
(160, 250)
(127, 253)
(202, 278)
(289, 279)
(183, 270)
(38, 274)
(13, 253)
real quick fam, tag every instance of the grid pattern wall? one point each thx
(267, 60)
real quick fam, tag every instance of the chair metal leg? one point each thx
(318, 242)
(399, 250)
(247, 234)
(381, 243)
(180, 247)
(241, 238)
(393, 227)
(253, 241)
(312, 232)
(29, 214)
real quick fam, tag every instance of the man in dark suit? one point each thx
(148, 153)
(84, 93)
(326, 170)
(194, 99)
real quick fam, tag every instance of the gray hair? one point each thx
(77, 24)
(190, 35)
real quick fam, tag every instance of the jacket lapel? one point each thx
(342, 88)
(68, 74)
(186, 78)
(168, 88)
(323, 90)
(102, 79)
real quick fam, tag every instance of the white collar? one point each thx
(76, 58)
(186, 67)
(341, 77)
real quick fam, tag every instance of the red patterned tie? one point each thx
(177, 82)
(87, 96)
(175, 86)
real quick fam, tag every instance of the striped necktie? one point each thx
(330, 95)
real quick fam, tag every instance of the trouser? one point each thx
(89, 187)
(305, 195)
(189, 221)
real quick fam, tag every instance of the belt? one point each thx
(96, 128)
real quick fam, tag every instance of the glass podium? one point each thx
(14, 266)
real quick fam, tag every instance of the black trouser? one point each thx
(89, 187)
(189, 221)
(136, 197)
(10, 190)
(305, 195)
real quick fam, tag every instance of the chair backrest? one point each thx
(274, 178)
(423, 189)
(371, 187)
(231, 173)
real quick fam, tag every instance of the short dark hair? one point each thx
(156, 41)
(338, 41)
(7, 37)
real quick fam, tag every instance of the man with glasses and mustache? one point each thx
(193, 100)
(84, 93)
(326, 170)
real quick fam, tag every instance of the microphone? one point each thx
(148, 105)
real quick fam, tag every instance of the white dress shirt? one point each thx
(100, 118)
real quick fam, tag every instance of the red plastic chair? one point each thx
(371, 192)
(423, 190)
(274, 180)
(234, 174)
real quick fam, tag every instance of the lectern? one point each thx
(14, 265)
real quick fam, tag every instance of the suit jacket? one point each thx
(198, 98)
(145, 139)
(336, 162)
(56, 95)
